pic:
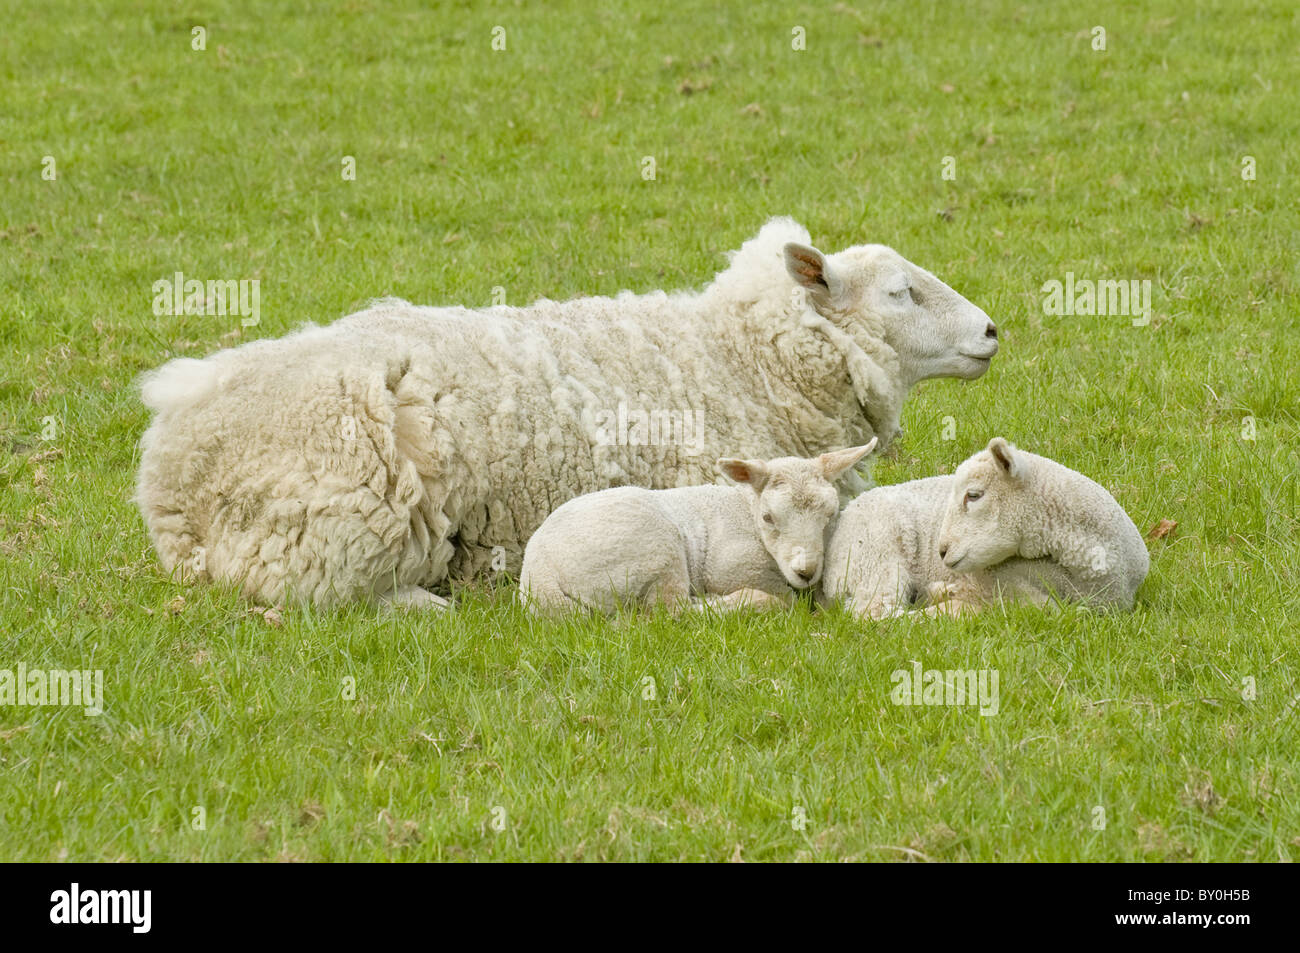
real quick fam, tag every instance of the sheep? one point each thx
(748, 544)
(402, 447)
(1006, 525)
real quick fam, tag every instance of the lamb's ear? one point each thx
(753, 472)
(810, 269)
(836, 463)
(1007, 457)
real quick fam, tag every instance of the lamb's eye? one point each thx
(900, 293)
(973, 495)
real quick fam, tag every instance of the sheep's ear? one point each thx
(1006, 457)
(753, 472)
(810, 269)
(837, 462)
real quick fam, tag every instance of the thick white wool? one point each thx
(1007, 525)
(626, 546)
(402, 445)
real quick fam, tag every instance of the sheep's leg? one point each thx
(741, 599)
(673, 592)
(885, 609)
(748, 599)
(413, 597)
(874, 608)
(664, 580)
(949, 607)
(882, 593)
(1040, 582)
(937, 592)
(946, 605)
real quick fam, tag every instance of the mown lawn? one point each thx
(480, 734)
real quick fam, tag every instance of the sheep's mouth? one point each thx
(976, 366)
(954, 563)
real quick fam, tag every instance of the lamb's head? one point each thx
(793, 501)
(983, 520)
(934, 330)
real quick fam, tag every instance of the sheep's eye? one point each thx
(973, 495)
(900, 293)
(767, 518)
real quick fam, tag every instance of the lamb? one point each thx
(1006, 525)
(747, 544)
(404, 447)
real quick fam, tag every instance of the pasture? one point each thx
(992, 143)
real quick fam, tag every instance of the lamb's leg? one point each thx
(948, 607)
(745, 599)
(952, 598)
(672, 590)
(882, 591)
(1040, 582)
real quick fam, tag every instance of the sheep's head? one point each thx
(934, 330)
(981, 518)
(794, 500)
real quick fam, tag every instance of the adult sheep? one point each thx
(402, 445)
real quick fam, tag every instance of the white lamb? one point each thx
(1007, 525)
(725, 545)
(403, 445)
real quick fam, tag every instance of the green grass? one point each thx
(521, 169)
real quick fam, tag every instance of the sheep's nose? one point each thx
(991, 331)
(943, 552)
(806, 574)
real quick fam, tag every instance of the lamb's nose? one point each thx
(991, 331)
(943, 552)
(805, 574)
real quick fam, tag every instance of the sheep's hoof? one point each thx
(413, 597)
(940, 592)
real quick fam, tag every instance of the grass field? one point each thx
(480, 734)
